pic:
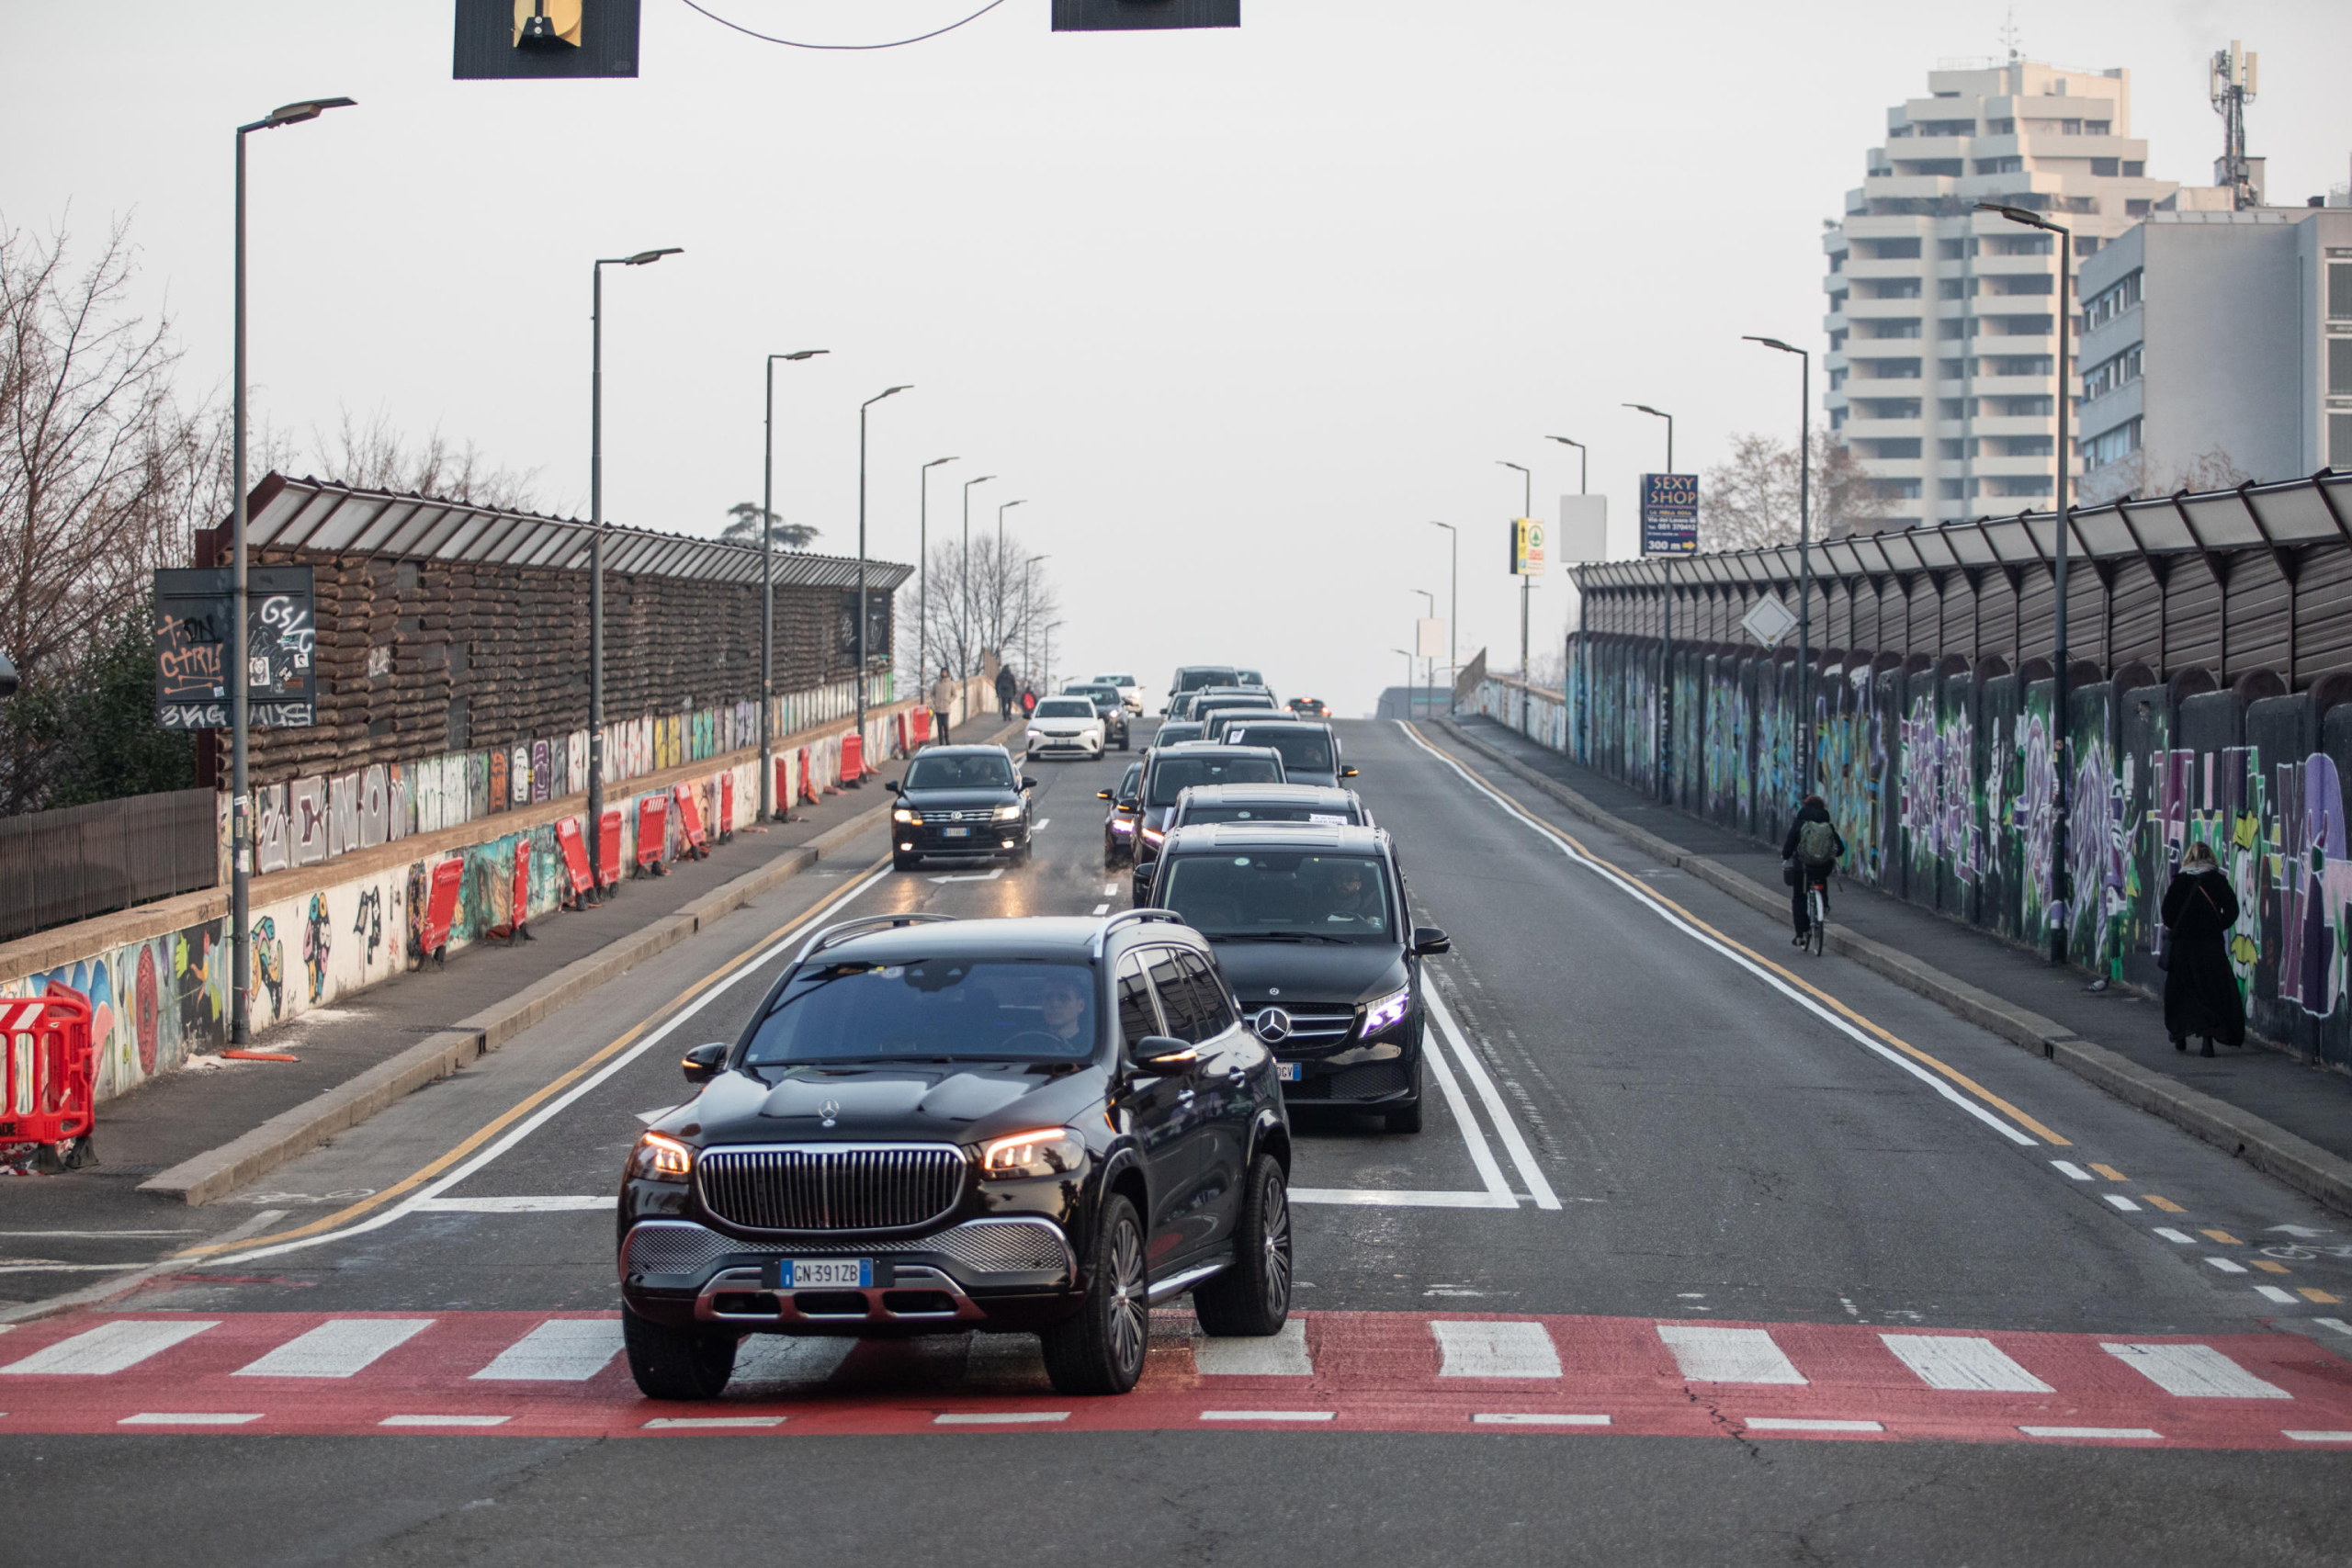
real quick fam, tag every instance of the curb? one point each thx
(2269, 1148)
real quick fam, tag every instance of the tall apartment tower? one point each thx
(1943, 320)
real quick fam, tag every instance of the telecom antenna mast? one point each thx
(2234, 84)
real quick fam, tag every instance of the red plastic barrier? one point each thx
(853, 758)
(652, 832)
(574, 850)
(608, 846)
(807, 780)
(697, 842)
(921, 720)
(47, 1073)
(726, 804)
(518, 922)
(441, 906)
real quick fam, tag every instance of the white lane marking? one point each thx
(1708, 1354)
(1382, 1197)
(338, 1350)
(2073, 1172)
(777, 1358)
(1741, 960)
(662, 1422)
(444, 1420)
(2171, 1234)
(2120, 1202)
(1281, 1355)
(2194, 1371)
(1101, 908)
(998, 1418)
(973, 877)
(2267, 1292)
(1537, 1419)
(1268, 1414)
(190, 1418)
(110, 1348)
(1957, 1362)
(1481, 1156)
(1505, 1128)
(2143, 1433)
(523, 1204)
(2319, 1436)
(561, 1103)
(2303, 1233)
(2337, 1323)
(114, 1235)
(2226, 1266)
(562, 1350)
(1804, 1424)
(1474, 1349)
(1040, 822)
(45, 1268)
(1111, 888)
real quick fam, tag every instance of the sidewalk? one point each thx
(2251, 1097)
(412, 1029)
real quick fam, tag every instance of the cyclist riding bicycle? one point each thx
(1814, 849)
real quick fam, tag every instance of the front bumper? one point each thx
(1076, 745)
(983, 839)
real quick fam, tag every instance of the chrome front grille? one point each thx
(977, 814)
(1310, 1028)
(831, 1187)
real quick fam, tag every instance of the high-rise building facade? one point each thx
(1943, 329)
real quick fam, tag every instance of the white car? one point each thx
(1130, 693)
(1066, 724)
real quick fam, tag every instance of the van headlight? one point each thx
(661, 1157)
(1050, 1151)
(1386, 1012)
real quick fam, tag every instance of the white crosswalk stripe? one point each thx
(338, 1350)
(1282, 1355)
(110, 1348)
(2194, 1371)
(1708, 1354)
(1954, 1361)
(562, 1350)
(1494, 1349)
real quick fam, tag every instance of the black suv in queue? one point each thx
(1312, 927)
(1119, 825)
(1323, 804)
(1169, 770)
(1197, 677)
(1310, 751)
(960, 800)
(932, 1125)
(1110, 704)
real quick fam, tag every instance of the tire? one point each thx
(1102, 1349)
(904, 862)
(1253, 1296)
(676, 1363)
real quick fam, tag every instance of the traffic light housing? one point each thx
(1122, 15)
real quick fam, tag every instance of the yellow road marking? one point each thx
(2224, 1237)
(2111, 1173)
(521, 1108)
(2166, 1204)
(2269, 1268)
(1962, 1079)
(2313, 1294)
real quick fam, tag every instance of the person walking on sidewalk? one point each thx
(1814, 848)
(942, 701)
(2201, 989)
(1007, 688)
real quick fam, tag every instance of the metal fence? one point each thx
(80, 861)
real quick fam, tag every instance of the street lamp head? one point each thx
(936, 461)
(1447, 526)
(981, 480)
(891, 392)
(1772, 343)
(1506, 463)
(801, 354)
(1566, 440)
(646, 258)
(295, 114)
(1646, 408)
(1024, 501)
(2018, 215)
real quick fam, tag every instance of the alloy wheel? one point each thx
(1276, 1232)
(1129, 1312)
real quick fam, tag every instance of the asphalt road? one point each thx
(1709, 1253)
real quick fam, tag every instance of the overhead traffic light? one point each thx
(1120, 15)
(502, 40)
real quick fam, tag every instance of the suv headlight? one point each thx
(1386, 1012)
(661, 1157)
(904, 814)
(1050, 1151)
(1008, 813)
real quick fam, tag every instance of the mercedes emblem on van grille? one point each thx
(1272, 1025)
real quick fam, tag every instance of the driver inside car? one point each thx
(1063, 1004)
(1352, 897)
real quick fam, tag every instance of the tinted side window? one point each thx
(1137, 1017)
(1176, 997)
(1216, 1010)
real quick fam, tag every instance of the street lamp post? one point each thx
(1417, 642)
(1028, 573)
(767, 587)
(2061, 873)
(241, 817)
(1666, 638)
(1001, 573)
(1526, 509)
(963, 637)
(1584, 633)
(922, 596)
(886, 393)
(1453, 614)
(1804, 557)
(597, 552)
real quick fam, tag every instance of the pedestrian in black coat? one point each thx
(2201, 989)
(1007, 688)
(1810, 874)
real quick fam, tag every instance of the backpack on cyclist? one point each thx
(1817, 845)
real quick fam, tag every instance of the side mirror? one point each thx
(1163, 1053)
(1430, 940)
(1028, 783)
(1346, 772)
(892, 786)
(1101, 794)
(702, 1063)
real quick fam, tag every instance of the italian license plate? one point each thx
(1291, 1071)
(954, 833)
(821, 1273)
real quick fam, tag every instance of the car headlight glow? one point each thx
(661, 1157)
(1386, 1012)
(1153, 834)
(1008, 813)
(904, 815)
(1123, 826)
(1050, 1151)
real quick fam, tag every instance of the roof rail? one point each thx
(847, 929)
(1133, 916)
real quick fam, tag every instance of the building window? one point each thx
(2000, 165)
(2020, 484)
(2104, 168)
(2111, 301)
(2070, 127)
(1838, 376)
(2098, 126)
(1895, 489)
(1900, 369)
(2028, 283)
(2339, 291)
(2108, 374)
(1951, 408)
(1949, 448)
(1836, 261)
(1891, 289)
(1890, 327)
(2021, 446)
(1837, 419)
(2339, 366)
(1891, 451)
(2013, 365)
(1950, 490)
(1930, 167)
(2339, 440)
(2111, 446)
(1888, 250)
(1837, 340)
(2134, 169)
(1887, 408)
(2135, 207)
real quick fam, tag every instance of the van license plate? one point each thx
(819, 1273)
(1291, 1071)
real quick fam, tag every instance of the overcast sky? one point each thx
(1235, 311)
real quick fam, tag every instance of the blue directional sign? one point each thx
(1669, 515)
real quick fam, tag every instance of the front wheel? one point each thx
(1102, 1349)
(1253, 1296)
(676, 1363)
(1818, 935)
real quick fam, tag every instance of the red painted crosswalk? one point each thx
(541, 1374)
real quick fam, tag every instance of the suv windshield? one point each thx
(1066, 707)
(1303, 749)
(929, 1009)
(1280, 895)
(1201, 675)
(960, 773)
(1176, 774)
